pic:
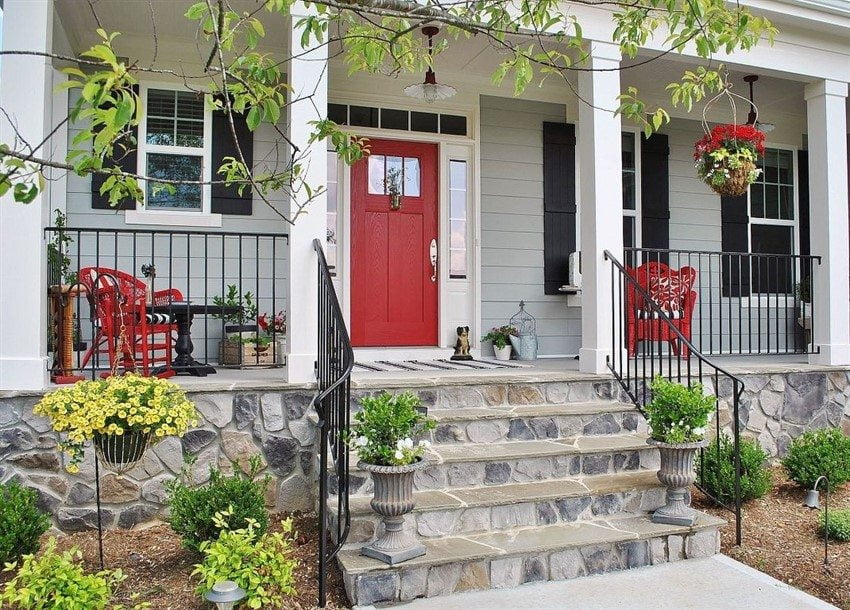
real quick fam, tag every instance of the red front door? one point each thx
(393, 279)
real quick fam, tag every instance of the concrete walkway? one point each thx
(715, 583)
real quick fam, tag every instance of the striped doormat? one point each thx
(442, 364)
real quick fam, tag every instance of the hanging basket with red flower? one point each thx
(726, 158)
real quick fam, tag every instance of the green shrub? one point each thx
(839, 524)
(816, 453)
(678, 413)
(239, 497)
(385, 428)
(718, 471)
(21, 523)
(259, 563)
(57, 581)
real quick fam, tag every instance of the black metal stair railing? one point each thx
(657, 357)
(332, 403)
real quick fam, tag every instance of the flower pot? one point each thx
(503, 353)
(121, 453)
(737, 180)
(677, 475)
(392, 499)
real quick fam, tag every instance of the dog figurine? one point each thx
(462, 344)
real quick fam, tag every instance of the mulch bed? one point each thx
(781, 539)
(158, 568)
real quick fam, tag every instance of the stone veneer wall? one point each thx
(776, 408)
(233, 427)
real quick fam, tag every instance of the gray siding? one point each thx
(512, 222)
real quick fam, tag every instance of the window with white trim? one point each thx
(631, 212)
(175, 143)
(773, 219)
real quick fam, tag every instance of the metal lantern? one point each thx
(225, 594)
(525, 342)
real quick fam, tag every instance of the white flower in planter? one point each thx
(406, 443)
(425, 444)
(699, 431)
(362, 441)
(399, 455)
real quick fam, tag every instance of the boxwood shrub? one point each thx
(21, 523)
(816, 453)
(718, 470)
(839, 524)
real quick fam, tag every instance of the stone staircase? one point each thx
(530, 481)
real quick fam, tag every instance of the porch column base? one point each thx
(23, 373)
(592, 360)
(835, 354)
(301, 368)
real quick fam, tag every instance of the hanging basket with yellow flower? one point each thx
(122, 415)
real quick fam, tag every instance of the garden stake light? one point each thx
(813, 501)
(225, 594)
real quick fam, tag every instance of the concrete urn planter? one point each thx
(677, 475)
(392, 499)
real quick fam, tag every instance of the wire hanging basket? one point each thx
(726, 155)
(525, 341)
(120, 453)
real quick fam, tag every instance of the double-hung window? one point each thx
(175, 144)
(773, 221)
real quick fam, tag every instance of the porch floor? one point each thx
(543, 369)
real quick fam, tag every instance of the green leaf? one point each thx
(253, 118)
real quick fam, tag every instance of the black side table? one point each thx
(182, 313)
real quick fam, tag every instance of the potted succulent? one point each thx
(384, 436)
(122, 415)
(500, 337)
(678, 416)
(726, 158)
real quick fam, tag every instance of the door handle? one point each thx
(433, 251)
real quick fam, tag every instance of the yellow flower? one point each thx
(72, 468)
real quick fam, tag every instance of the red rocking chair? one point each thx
(672, 291)
(119, 299)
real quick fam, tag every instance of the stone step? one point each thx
(481, 509)
(473, 393)
(510, 558)
(472, 465)
(534, 422)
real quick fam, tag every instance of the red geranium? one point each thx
(731, 137)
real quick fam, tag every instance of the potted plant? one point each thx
(276, 329)
(726, 158)
(383, 436)
(122, 415)
(243, 311)
(500, 337)
(678, 416)
(392, 185)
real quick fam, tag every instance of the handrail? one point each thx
(663, 329)
(332, 403)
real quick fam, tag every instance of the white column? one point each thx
(26, 98)
(600, 200)
(309, 80)
(826, 103)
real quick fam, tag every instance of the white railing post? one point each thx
(26, 97)
(826, 103)
(600, 199)
(308, 75)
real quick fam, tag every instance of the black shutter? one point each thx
(655, 193)
(803, 195)
(559, 204)
(226, 199)
(125, 158)
(735, 237)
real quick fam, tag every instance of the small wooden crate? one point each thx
(235, 353)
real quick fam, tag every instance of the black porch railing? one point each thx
(333, 405)
(684, 364)
(156, 300)
(745, 304)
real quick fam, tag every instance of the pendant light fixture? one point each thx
(752, 117)
(430, 90)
